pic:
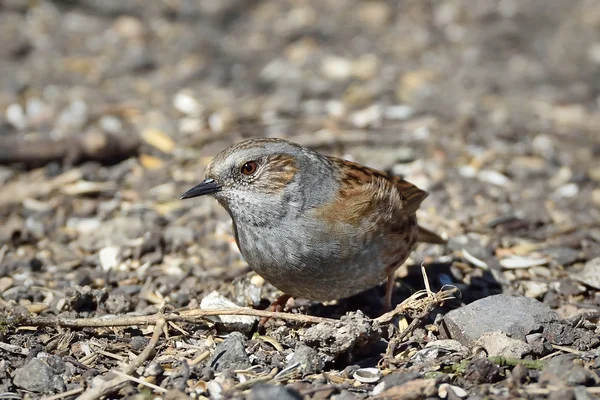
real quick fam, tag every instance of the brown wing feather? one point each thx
(377, 198)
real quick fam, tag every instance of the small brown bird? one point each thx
(316, 227)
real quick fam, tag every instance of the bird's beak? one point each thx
(207, 186)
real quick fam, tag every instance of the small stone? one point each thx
(265, 391)
(498, 344)
(398, 112)
(231, 354)
(564, 256)
(215, 301)
(74, 117)
(337, 68)
(567, 191)
(565, 368)
(15, 115)
(35, 376)
(368, 117)
(493, 177)
(309, 360)
(590, 275)
(534, 289)
(110, 124)
(118, 302)
(514, 316)
(187, 104)
(109, 257)
(482, 370)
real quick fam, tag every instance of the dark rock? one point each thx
(310, 362)
(138, 342)
(514, 316)
(520, 373)
(564, 256)
(567, 369)
(482, 370)
(398, 378)
(231, 354)
(35, 376)
(569, 287)
(273, 392)
(118, 302)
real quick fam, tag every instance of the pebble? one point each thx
(109, 258)
(513, 316)
(266, 391)
(498, 344)
(187, 104)
(15, 115)
(308, 358)
(567, 191)
(493, 177)
(74, 117)
(590, 275)
(231, 354)
(214, 301)
(111, 124)
(543, 146)
(398, 112)
(336, 68)
(446, 391)
(534, 289)
(367, 117)
(35, 376)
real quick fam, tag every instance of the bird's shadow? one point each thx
(480, 284)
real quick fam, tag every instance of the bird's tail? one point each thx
(427, 236)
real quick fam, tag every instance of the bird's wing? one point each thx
(369, 196)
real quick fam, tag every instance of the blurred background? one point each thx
(111, 109)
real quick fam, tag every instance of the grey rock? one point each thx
(118, 302)
(35, 376)
(231, 354)
(590, 275)
(273, 392)
(498, 344)
(564, 256)
(566, 369)
(516, 317)
(308, 358)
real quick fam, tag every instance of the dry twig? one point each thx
(109, 386)
(192, 316)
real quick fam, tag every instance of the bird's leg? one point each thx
(389, 288)
(276, 306)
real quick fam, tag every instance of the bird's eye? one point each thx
(249, 168)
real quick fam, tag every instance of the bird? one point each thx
(316, 227)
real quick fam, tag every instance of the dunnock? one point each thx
(316, 227)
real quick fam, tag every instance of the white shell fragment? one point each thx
(445, 388)
(367, 375)
(215, 301)
(516, 262)
(473, 260)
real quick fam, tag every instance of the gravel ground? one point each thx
(111, 109)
